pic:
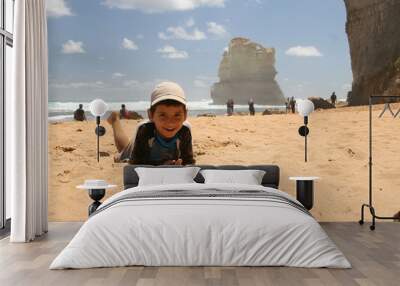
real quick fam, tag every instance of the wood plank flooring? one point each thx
(375, 257)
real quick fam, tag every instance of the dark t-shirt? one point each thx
(151, 149)
(163, 150)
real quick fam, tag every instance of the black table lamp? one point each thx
(304, 108)
(98, 108)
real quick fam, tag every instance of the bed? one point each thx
(201, 224)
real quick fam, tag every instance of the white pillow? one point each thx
(165, 176)
(248, 177)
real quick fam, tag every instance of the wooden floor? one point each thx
(375, 257)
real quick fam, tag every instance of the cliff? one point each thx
(247, 71)
(373, 29)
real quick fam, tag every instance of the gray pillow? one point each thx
(248, 177)
(166, 176)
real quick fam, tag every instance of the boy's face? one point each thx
(168, 119)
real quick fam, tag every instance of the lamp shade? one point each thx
(305, 107)
(98, 107)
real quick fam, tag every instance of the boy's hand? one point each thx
(114, 116)
(173, 162)
(178, 162)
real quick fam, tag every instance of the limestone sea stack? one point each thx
(247, 71)
(373, 30)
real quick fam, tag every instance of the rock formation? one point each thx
(321, 103)
(247, 71)
(373, 29)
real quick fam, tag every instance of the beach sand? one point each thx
(337, 153)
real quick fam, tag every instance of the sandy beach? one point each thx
(337, 153)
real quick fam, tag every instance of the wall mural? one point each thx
(234, 70)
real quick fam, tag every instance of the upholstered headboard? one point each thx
(270, 179)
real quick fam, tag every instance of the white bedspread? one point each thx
(185, 231)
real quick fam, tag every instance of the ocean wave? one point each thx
(144, 105)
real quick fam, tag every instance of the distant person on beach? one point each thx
(287, 105)
(79, 114)
(165, 139)
(229, 106)
(251, 107)
(122, 112)
(292, 104)
(348, 99)
(333, 99)
(127, 114)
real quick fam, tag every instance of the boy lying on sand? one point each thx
(165, 139)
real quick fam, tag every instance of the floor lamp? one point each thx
(98, 108)
(370, 202)
(304, 108)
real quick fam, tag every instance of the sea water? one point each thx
(63, 111)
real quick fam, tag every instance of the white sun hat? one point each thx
(95, 184)
(168, 90)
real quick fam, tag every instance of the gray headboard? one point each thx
(270, 179)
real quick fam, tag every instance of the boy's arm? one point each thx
(131, 152)
(186, 148)
(140, 152)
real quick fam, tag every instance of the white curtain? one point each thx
(26, 124)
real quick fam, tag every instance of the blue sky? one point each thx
(118, 50)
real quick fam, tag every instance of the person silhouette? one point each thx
(333, 99)
(79, 114)
(292, 104)
(229, 106)
(123, 112)
(251, 107)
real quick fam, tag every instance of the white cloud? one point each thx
(216, 29)
(202, 81)
(57, 8)
(147, 86)
(181, 34)
(117, 75)
(190, 22)
(129, 44)
(299, 51)
(159, 6)
(250, 2)
(96, 84)
(170, 52)
(131, 83)
(200, 84)
(72, 47)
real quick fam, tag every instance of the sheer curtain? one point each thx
(26, 123)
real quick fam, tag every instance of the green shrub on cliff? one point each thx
(397, 64)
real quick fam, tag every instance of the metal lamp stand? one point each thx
(370, 204)
(305, 137)
(303, 131)
(98, 137)
(100, 131)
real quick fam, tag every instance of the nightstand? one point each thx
(305, 190)
(96, 190)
